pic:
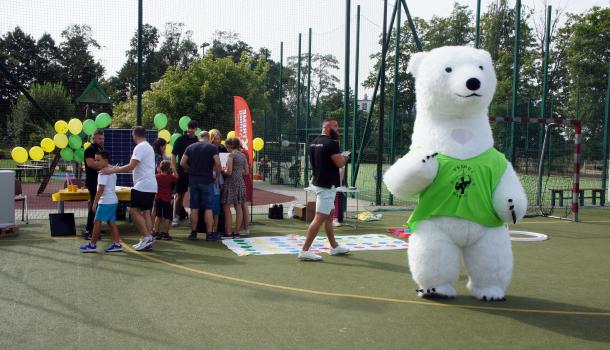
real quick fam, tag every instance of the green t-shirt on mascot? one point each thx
(463, 188)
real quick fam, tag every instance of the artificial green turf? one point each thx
(53, 297)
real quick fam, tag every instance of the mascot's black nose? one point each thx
(473, 84)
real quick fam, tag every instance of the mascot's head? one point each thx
(453, 81)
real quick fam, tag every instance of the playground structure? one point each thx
(558, 177)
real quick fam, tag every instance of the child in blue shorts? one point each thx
(104, 206)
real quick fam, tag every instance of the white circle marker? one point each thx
(531, 236)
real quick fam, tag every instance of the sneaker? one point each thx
(88, 248)
(336, 223)
(155, 235)
(245, 233)
(176, 221)
(137, 245)
(146, 244)
(214, 236)
(86, 235)
(114, 247)
(226, 236)
(236, 235)
(306, 255)
(164, 236)
(193, 236)
(339, 250)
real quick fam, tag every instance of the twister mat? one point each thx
(291, 244)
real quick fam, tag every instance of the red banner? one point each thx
(243, 124)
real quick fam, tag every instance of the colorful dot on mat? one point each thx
(239, 240)
(246, 246)
(351, 243)
(375, 246)
(359, 247)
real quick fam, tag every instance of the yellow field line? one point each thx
(360, 297)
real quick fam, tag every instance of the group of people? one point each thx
(195, 167)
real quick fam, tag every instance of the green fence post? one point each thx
(605, 143)
(355, 116)
(477, 37)
(395, 93)
(139, 69)
(384, 50)
(516, 66)
(308, 113)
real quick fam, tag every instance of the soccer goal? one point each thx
(547, 159)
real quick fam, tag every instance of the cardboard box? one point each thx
(310, 211)
(305, 212)
(300, 212)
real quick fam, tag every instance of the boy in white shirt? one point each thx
(104, 206)
(142, 164)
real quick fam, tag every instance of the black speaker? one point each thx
(62, 224)
(276, 212)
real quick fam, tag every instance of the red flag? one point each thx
(243, 124)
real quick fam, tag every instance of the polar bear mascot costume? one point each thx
(467, 189)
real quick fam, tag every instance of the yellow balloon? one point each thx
(75, 126)
(168, 150)
(61, 127)
(60, 140)
(164, 134)
(230, 134)
(19, 155)
(258, 144)
(86, 145)
(47, 145)
(36, 153)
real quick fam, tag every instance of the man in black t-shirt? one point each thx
(200, 160)
(91, 170)
(326, 159)
(183, 179)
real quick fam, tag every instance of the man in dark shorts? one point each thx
(91, 170)
(183, 179)
(144, 189)
(200, 160)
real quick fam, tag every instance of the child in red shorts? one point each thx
(166, 186)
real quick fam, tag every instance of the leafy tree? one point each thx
(77, 60)
(178, 50)
(26, 124)
(227, 44)
(204, 91)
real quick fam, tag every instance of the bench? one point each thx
(594, 193)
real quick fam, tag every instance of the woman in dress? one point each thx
(234, 189)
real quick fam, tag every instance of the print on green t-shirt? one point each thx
(464, 189)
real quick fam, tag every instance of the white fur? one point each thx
(451, 122)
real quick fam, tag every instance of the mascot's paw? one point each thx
(442, 292)
(489, 294)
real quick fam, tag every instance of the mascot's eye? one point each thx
(448, 69)
(481, 67)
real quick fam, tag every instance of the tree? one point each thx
(26, 123)
(204, 91)
(227, 44)
(153, 66)
(178, 50)
(77, 60)
(587, 57)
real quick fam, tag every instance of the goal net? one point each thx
(547, 160)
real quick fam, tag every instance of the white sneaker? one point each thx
(135, 246)
(336, 223)
(306, 255)
(176, 221)
(147, 243)
(339, 250)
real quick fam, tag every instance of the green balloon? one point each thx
(89, 127)
(67, 154)
(197, 132)
(174, 137)
(79, 155)
(184, 122)
(103, 120)
(160, 121)
(75, 141)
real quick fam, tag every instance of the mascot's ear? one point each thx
(415, 62)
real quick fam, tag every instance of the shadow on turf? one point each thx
(592, 328)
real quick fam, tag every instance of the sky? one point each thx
(260, 23)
